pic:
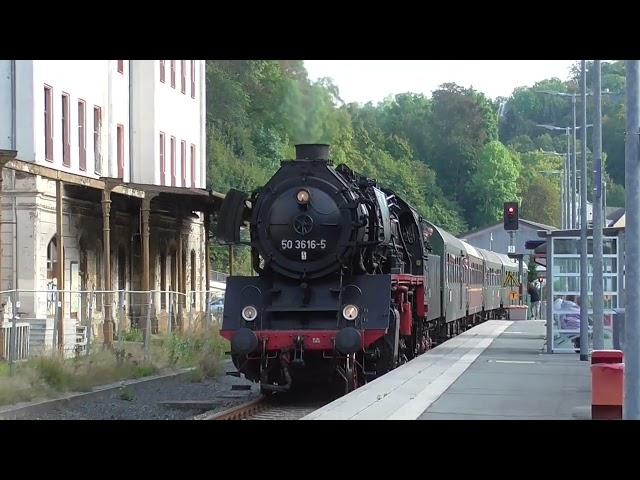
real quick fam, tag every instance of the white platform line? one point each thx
(512, 361)
(370, 395)
(416, 407)
(358, 402)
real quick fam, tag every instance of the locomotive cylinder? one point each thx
(405, 319)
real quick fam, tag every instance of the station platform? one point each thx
(496, 370)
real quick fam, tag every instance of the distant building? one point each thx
(495, 238)
(615, 217)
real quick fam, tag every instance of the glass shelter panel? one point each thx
(566, 292)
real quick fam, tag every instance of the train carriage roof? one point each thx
(447, 238)
(491, 258)
(507, 262)
(471, 250)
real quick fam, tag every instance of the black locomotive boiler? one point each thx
(345, 275)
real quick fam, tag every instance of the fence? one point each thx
(20, 344)
(218, 277)
(136, 316)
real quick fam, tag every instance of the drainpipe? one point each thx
(13, 105)
(110, 122)
(15, 233)
(13, 147)
(130, 122)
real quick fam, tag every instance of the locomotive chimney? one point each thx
(312, 151)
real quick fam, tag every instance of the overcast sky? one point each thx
(373, 80)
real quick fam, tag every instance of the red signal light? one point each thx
(510, 210)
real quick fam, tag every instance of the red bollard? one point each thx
(607, 384)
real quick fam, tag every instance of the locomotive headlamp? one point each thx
(350, 312)
(249, 313)
(302, 197)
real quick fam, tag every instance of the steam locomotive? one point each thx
(351, 281)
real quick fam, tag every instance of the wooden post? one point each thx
(1, 196)
(60, 264)
(180, 275)
(207, 265)
(145, 213)
(106, 240)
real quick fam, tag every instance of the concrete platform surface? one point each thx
(514, 379)
(496, 370)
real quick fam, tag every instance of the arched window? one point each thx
(52, 258)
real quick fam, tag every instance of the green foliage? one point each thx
(52, 371)
(532, 269)
(462, 122)
(127, 395)
(133, 335)
(529, 107)
(494, 182)
(541, 201)
(615, 195)
(49, 375)
(444, 154)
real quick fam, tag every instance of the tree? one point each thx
(494, 182)
(541, 201)
(532, 269)
(522, 143)
(462, 122)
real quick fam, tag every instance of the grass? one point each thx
(127, 395)
(49, 375)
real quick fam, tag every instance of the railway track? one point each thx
(283, 406)
(263, 408)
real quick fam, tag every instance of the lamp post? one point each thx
(632, 247)
(571, 180)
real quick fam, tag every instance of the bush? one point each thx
(49, 375)
(134, 335)
(52, 371)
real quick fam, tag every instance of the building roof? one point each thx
(535, 225)
(614, 216)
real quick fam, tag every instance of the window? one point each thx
(183, 162)
(173, 161)
(120, 66)
(162, 162)
(97, 135)
(52, 258)
(99, 275)
(122, 268)
(173, 74)
(194, 281)
(120, 143)
(66, 148)
(48, 124)
(162, 71)
(193, 166)
(183, 76)
(82, 136)
(193, 79)
(163, 280)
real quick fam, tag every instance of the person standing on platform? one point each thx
(534, 294)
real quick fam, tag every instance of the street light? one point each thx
(571, 179)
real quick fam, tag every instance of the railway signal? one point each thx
(511, 216)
